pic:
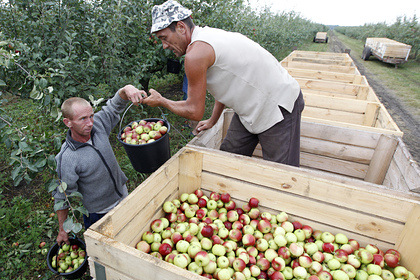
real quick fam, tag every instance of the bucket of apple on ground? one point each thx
(68, 261)
(146, 143)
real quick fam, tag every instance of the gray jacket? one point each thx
(92, 169)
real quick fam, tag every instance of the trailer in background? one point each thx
(386, 50)
(321, 37)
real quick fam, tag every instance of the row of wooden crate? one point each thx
(357, 176)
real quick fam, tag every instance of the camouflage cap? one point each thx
(170, 11)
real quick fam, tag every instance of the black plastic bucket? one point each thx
(75, 274)
(173, 66)
(147, 158)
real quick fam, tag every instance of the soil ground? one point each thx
(403, 115)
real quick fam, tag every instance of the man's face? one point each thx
(174, 41)
(81, 122)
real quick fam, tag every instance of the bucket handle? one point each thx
(122, 118)
(162, 114)
(128, 108)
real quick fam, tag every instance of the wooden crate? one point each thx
(384, 48)
(372, 156)
(361, 210)
(336, 97)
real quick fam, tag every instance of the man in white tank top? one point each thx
(241, 75)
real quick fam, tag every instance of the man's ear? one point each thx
(180, 27)
(67, 122)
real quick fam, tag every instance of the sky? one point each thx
(345, 13)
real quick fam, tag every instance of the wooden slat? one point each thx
(333, 115)
(321, 67)
(408, 243)
(322, 61)
(404, 170)
(371, 113)
(338, 134)
(336, 150)
(353, 126)
(266, 173)
(131, 261)
(332, 86)
(328, 93)
(324, 75)
(333, 165)
(190, 167)
(381, 159)
(328, 213)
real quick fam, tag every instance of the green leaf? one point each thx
(52, 185)
(32, 167)
(76, 194)
(51, 162)
(41, 163)
(59, 204)
(15, 172)
(82, 210)
(2, 83)
(43, 83)
(62, 187)
(25, 147)
(68, 225)
(57, 143)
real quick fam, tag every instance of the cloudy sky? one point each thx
(345, 13)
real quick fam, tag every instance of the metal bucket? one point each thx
(147, 158)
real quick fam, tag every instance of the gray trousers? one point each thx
(280, 143)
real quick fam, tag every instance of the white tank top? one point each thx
(247, 78)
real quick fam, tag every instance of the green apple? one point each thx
(341, 238)
(339, 275)
(334, 264)
(361, 275)
(222, 262)
(181, 260)
(374, 269)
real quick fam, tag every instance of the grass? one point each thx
(404, 80)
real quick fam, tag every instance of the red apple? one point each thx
(199, 193)
(202, 202)
(207, 231)
(328, 247)
(379, 260)
(225, 197)
(253, 202)
(297, 225)
(165, 249)
(391, 259)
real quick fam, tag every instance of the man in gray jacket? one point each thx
(86, 161)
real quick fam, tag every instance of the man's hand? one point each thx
(203, 125)
(154, 99)
(133, 94)
(62, 237)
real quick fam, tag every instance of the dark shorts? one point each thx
(280, 143)
(93, 217)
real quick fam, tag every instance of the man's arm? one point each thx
(206, 124)
(62, 235)
(200, 56)
(133, 94)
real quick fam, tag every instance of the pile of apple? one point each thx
(68, 258)
(213, 237)
(143, 132)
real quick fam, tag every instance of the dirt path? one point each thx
(403, 115)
